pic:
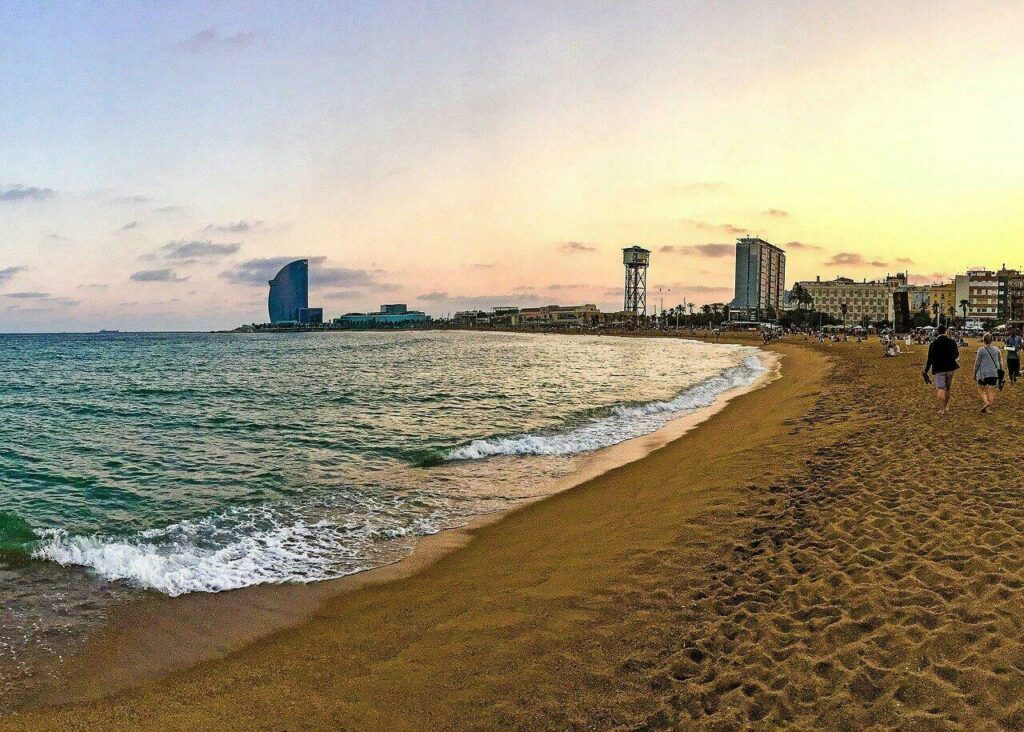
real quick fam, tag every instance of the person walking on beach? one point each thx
(1013, 345)
(988, 371)
(942, 362)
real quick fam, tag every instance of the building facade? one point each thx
(289, 292)
(760, 280)
(1011, 289)
(559, 315)
(866, 301)
(390, 316)
(983, 294)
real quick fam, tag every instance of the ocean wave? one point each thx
(226, 552)
(625, 422)
(16, 534)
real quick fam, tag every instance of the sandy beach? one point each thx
(824, 552)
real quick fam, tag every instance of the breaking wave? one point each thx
(226, 552)
(623, 423)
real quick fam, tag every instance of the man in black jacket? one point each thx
(942, 361)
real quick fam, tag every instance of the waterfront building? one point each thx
(310, 316)
(396, 316)
(289, 292)
(760, 280)
(919, 298)
(949, 295)
(983, 294)
(1011, 292)
(559, 315)
(866, 301)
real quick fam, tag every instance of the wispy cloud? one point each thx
(198, 248)
(853, 259)
(211, 39)
(238, 227)
(776, 212)
(133, 200)
(17, 193)
(131, 225)
(168, 209)
(157, 275)
(260, 271)
(92, 286)
(721, 228)
(701, 250)
(435, 296)
(576, 246)
(7, 273)
(57, 237)
(706, 289)
(42, 298)
(521, 296)
(802, 246)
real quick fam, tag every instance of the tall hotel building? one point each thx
(760, 280)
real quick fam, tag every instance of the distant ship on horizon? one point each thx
(106, 330)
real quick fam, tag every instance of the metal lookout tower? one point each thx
(636, 259)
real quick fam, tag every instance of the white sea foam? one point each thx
(623, 423)
(209, 556)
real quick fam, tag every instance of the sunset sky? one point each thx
(159, 160)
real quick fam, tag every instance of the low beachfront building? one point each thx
(390, 316)
(868, 301)
(949, 295)
(559, 316)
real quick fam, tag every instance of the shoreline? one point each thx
(154, 635)
(525, 625)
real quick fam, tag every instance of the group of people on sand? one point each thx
(944, 360)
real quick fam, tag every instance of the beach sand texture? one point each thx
(825, 552)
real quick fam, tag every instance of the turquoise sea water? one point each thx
(179, 463)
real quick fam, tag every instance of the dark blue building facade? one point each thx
(289, 292)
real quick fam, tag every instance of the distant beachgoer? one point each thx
(988, 368)
(943, 355)
(1013, 345)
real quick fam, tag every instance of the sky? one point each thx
(159, 161)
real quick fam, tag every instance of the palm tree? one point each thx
(843, 308)
(798, 293)
(964, 304)
(935, 309)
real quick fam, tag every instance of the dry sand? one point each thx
(825, 552)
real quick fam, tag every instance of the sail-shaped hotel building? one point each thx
(289, 292)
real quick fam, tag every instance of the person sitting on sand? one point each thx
(942, 361)
(1013, 345)
(988, 367)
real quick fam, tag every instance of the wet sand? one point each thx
(824, 552)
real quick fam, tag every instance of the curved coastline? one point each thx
(154, 635)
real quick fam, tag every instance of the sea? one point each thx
(182, 463)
